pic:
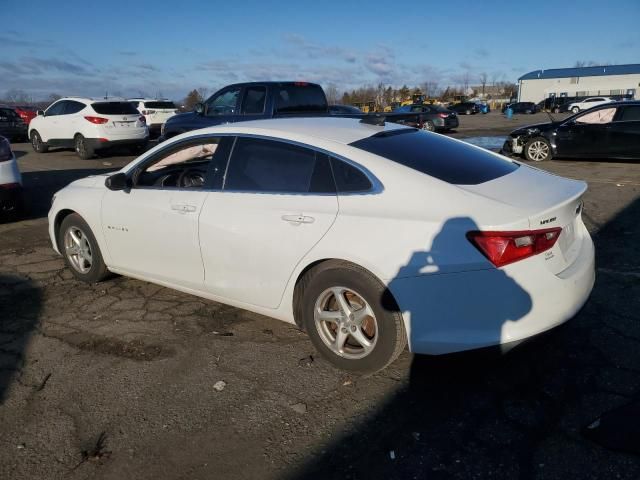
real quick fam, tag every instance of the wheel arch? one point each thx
(59, 218)
(388, 301)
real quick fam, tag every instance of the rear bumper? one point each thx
(98, 144)
(446, 313)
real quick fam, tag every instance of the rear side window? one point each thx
(73, 107)
(348, 178)
(300, 97)
(253, 102)
(437, 156)
(630, 114)
(115, 108)
(268, 166)
(160, 105)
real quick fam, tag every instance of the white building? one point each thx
(580, 82)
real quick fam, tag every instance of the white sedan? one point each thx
(588, 103)
(366, 236)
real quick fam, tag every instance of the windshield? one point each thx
(437, 156)
(115, 108)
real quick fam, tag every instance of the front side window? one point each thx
(56, 109)
(187, 165)
(604, 115)
(254, 100)
(269, 166)
(224, 103)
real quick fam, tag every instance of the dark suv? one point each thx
(466, 108)
(522, 107)
(250, 101)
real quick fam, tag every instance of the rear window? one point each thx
(437, 156)
(159, 105)
(115, 108)
(296, 98)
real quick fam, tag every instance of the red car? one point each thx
(26, 113)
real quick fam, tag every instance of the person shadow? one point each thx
(424, 421)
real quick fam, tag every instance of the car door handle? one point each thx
(182, 208)
(298, 219)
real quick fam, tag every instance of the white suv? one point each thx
(155, 111)
(88, 125)
(588, 103)
(10, 181)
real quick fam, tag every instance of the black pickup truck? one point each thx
(261, 100)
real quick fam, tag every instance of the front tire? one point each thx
(36, 142)
(537, 150)
(575, 109)
(468, 112)
(80, 250)
(83, 149)
(350, 317)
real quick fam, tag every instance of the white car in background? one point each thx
(587, 103)
(89, 125)
(10, 181)
(155, 111)
(363, 235)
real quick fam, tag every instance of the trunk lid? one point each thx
(547, 201)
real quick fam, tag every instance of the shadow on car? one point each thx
(480, 414)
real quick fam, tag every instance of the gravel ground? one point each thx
(126, 379)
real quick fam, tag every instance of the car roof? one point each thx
(95, 99)
(340, 130)
(138, 99)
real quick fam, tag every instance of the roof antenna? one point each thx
(375, 119)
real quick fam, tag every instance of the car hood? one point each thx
(535, 128)
(182, 117)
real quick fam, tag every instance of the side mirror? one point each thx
(40, 112)
(199, 108)
(117, 181)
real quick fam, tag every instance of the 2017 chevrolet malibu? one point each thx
(366, 236)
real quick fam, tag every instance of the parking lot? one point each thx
(122, 379)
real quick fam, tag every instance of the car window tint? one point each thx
(56, 108)
(73, 107)
(349, 179)
(259, 165)
(114, 108)
(254, 99)
(630, 114)
(437, 156)
(185, 165)
(224, 103)
(300, 97)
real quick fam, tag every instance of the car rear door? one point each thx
(278, 201)
(625, 132)
(50, 126)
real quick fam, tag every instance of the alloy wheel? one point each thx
(538, 151)
(346, 323)
(78, 249)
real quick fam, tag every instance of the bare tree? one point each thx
(331, 91)
(430, 88)
(16, 96)
(483, 81)
(191, 99)
(204, 93)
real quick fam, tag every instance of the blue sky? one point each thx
(144, 47)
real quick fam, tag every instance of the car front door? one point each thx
(278, 201)
(151, 229)
(254, 102)
(50, 129)
(587, 134)
(625, 132)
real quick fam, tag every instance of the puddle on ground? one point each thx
(490, 142)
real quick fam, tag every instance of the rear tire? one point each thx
(350, 317)
(575, 109)
(36, 142)
(537, 150)
(429, 126)
(80, 250)
(84, 151)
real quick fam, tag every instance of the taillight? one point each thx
(97, 120)
(443, 115)
(142, 120)
(502, 248)
(5, 150)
